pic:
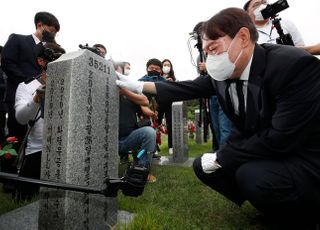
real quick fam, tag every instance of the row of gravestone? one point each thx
(80, 141)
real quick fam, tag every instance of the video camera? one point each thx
(271, 12)
(272, 9)
(90, 48)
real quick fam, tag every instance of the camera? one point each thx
(272, 9)
(136, 178)
(90, 48)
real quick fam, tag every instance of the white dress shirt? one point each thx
(26, 110)
(268, 34)
(233, 92)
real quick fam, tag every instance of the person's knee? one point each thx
(197, 168)
(149, 132)
(255, 186)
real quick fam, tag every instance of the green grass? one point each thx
(178, 200)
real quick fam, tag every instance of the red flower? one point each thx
(7, 156)
(12, 139)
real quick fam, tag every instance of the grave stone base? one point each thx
(26, 218)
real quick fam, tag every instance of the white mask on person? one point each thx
(126, 72)
(166, 69)
(220, 67)
(257, 12)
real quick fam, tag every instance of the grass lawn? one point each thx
(178, 200)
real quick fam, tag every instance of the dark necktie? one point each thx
(239, 88)
(241, 108)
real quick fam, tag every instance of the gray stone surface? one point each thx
(168, 160)
(199, 134)
(179, 132)
(26, 218)
(80, 141)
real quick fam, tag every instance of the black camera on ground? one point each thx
(272, 9)
(136, 178)
(131, 184)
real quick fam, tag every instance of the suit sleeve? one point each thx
(9, 59)
(294, 122)
(169, 91)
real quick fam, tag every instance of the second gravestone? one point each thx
(80, 142)
(179, 132)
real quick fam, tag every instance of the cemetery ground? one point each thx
(178, 200)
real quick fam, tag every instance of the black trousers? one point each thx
(2, 125)
(166, 110)
(31, 168)
(14, 128)
(268, 186)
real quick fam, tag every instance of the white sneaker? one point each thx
(170, 151)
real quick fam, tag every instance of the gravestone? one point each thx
(179, 132)
(80, 142)
(199, 136)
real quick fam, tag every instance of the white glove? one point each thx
(129, 83)
(209, 162)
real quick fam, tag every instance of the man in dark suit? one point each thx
(272, 157)
(19, 62)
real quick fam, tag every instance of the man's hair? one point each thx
(228, 22)
(154, 61)
(100, 46)
(197, 28)
(246, 6)
(47, 19)
(1, 47)
(171, 73)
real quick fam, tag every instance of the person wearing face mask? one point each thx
(271, 94)
(134, 135)
(154, 68)
(165, 109)
(18, 62)
(267, 33)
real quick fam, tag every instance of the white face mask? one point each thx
(257, 12)
(220, 67)
(166, 69)
(126, 72)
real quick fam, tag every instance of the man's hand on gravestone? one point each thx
(209, 162)
(129, 83)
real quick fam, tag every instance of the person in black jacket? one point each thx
(19, 63)
(271, 94)
(3, 106)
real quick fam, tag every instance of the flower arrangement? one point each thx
(6, 149)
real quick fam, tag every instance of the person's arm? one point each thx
(138, 99)
(314, 50)
(294, 32)
(9, 58)
(146, 111)
(25, 105)
(201, 87)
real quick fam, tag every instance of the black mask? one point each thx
(48, 37)
(153, 73)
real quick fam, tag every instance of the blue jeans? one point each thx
(141, 138)
(221, 124)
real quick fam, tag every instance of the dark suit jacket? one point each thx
(18, 61)
(282, 113)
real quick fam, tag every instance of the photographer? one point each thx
(27, 106)
(267, 33)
